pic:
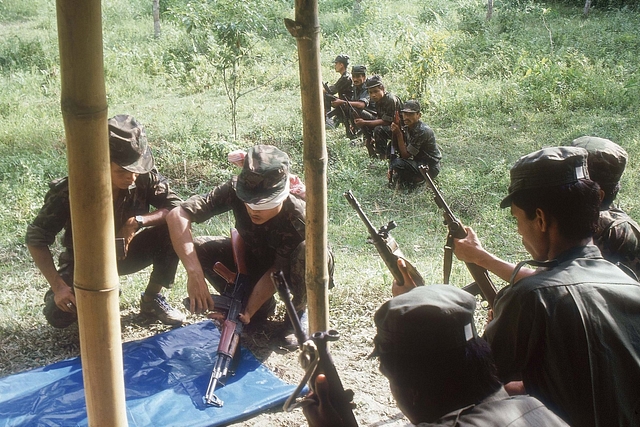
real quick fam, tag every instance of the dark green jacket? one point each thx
(571, 332)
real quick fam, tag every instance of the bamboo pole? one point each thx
(84, 111)
(306, 30)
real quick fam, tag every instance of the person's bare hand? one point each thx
(468, 249)
(395, 128)
(409, 282)
(317, 407)
(65, 299)
(199, 297)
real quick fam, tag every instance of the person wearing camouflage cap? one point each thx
(440, 372)
(270, 220)
(567, 332)
(342, 88)
(416, 143)
(617, 235)
(136, 186)
(377, 131)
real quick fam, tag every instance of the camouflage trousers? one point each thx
(151, 246)
(218, 249)
(405, 171)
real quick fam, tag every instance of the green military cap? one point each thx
(128, 146)
(606, 160)
(427, 319)
(411, 107)
(264, 180)
(549, 167)
(373, 81)
(359, 69)
(342, 58)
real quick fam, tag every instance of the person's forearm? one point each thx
(179, 226)
(156, 217)
(43, 259)
(262, 291)
(500, 267)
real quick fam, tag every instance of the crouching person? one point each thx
(270, 220)
(136, 186)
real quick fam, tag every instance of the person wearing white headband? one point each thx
(270, 220)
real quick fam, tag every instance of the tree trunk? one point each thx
(489, 9)
(306, 30)
(84, 111)
(156, 19)
(587, 6)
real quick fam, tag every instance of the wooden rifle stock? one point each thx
(457, 230)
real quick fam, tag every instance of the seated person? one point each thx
(416, 144)
(136, 186)
(568, 331)
(617, 235)
(343, 87)
(440, 372)
(377, 131)
(359, 106)
(270, 220)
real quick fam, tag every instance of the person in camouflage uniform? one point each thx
(342, 88)
(617, 235)
(416, 146)
(136, 186)
(270, 220)
(361, 105)
(377, 131)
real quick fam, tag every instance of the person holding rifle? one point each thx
(342, 88)
(440, 372)
(416, 145)
(567, 332)
(377, 131)
(271, 222)
(359, 105)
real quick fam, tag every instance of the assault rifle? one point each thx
(232, 326)
(456, 230)
(385, 244)
(315, 359)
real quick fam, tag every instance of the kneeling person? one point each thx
(136, 185)
(270, 220)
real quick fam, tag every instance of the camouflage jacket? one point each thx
(421, 144)
(618, 237)
(151, 189)
(360, 93)
(387, 107)
(275, 239)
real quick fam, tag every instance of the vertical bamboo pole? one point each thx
(84, 111)
(306, 30)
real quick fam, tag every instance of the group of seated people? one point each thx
(563, 343)
(392, 130)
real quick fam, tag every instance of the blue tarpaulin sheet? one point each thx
(165, 378)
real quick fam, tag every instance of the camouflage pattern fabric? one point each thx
(618, 237)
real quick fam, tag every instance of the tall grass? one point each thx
(536, 75)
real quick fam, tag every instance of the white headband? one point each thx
(273, 202)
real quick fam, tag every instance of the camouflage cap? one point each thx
(606, 160)
(427, 319)
(128, 146)
(373, 81)
(264, 176)
(411, 107)
(359, 69)
(549, 167)
(342, 58)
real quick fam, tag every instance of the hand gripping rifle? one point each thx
(232, 326)
(315, 359)
(456, 230)
(385, 244)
